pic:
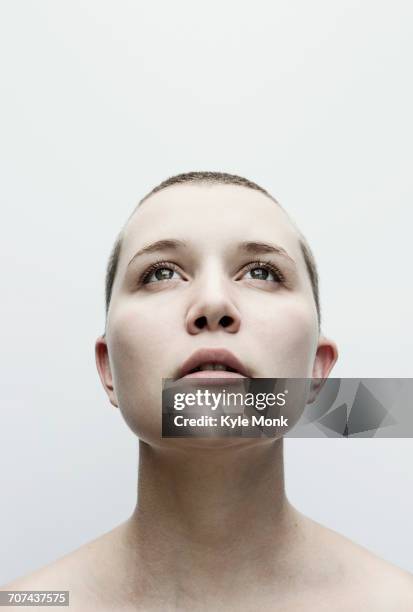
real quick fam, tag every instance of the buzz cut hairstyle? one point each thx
(204, 178)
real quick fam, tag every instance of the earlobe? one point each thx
(325, 358)
(103, 366)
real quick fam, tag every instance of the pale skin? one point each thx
(213, 529)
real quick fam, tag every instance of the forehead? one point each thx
(211, 217)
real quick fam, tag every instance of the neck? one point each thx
(204, 510)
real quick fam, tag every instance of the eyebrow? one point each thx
(246, 247)
(159, 245)
(264, 247)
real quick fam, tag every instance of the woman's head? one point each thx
(207, 260)
(211, 178)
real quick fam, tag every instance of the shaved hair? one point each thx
(205, 178)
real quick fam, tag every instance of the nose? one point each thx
(213, 308)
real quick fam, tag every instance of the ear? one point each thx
(325, 358)
(103, 366)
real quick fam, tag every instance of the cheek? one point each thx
(285, 337)
(139, 334)
(137, 341)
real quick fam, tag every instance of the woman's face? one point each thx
(159, 315)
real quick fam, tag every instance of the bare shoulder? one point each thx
(82, 572)
(388, 586)
(360, 577)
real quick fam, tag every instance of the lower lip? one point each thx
(214, 374)
(212, 378)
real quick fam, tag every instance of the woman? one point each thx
(209, 268)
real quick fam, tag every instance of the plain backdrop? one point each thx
(100, 101)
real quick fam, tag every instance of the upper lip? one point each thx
(212, 355)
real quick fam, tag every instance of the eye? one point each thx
(165, 271)
(265, 271)
(159, 271)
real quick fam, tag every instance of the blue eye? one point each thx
(261, 271)
(160, 270)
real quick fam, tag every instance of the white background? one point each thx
(102, 100)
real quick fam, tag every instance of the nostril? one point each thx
(226, 321)
(200, 322)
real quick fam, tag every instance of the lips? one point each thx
(215, 356)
